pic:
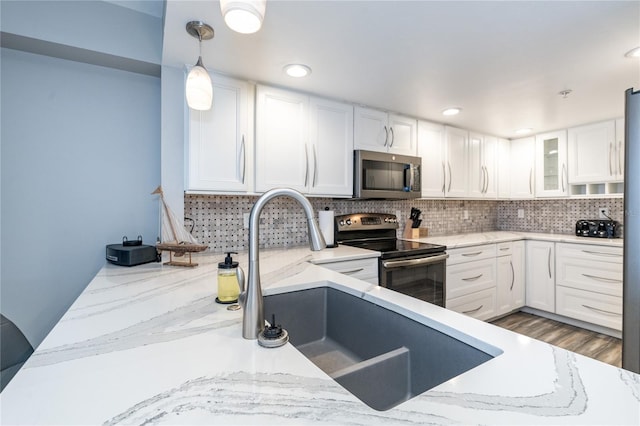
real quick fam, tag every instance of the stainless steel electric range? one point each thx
(412, 268)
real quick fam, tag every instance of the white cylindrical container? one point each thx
(325, 220)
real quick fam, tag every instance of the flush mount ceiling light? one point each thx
(297, 70)
(633, 53)
(524, 131)
(198, 88)
(243, 16)
(452, 111)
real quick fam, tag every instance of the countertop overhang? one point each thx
(148, 344)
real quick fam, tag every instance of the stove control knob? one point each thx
(348, 222)
(342, 223)
(386, 219)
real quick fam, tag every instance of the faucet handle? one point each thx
(241, 284)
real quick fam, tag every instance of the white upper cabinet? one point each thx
(303, 143)
(482, 166)
(522, 162)
(457, 142)
(220, 141)
(331, 147)
(503, 168)
(376, 130)
(431, 148)
(593, 153)
(551, 165)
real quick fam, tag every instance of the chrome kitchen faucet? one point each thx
(251, 294)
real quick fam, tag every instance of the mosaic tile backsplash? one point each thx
(219, 220)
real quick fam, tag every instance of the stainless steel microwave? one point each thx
(385, 175)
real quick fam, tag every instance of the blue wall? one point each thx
(80, 156)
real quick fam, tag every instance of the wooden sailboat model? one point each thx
(175, 239)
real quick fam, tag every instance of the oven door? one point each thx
(422, 277)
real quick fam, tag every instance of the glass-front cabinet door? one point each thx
(551, 165)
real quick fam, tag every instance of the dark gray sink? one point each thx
(378, 355)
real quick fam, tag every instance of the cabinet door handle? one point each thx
(607, 280)
(562, 177)
(450, 176)
(473, 310)
(386, 135)
(597, 253)
(315, 166)
(513, 275)
(472, 278)
(486, 188)
(353, 271)
(475, 253)
(549, 262)
(393, 136)
(444, 178)
(306, 170)
(610, 158)
(602, 310)
(244, 159)
(620, 157)
(531, 181)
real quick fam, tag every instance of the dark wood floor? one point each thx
(588, 343)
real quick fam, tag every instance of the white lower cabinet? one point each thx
(540, 281)
(363, 269)
(510, 277)
(589, 283)
(471, 281)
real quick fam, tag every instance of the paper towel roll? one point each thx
(325, 220)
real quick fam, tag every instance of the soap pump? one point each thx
(228, 286)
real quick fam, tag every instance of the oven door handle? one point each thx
(392, 264)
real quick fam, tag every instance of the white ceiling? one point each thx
(502, 62)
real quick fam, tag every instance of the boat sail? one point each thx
(175, 239)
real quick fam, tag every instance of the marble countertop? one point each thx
(148, 345)
(474, 239)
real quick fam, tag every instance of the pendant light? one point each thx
(199, 89)
(243, 16)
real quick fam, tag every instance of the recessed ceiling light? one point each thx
(451, 111)
(633, 53)
(524, 131)
(297, 70)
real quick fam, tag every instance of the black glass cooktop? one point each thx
(392, 247)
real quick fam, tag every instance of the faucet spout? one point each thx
(253, 317)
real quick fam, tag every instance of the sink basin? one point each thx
(380, 356)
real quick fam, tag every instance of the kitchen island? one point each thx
(148, 345)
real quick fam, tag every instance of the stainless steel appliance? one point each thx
(384, 175)
(598, 228)
(631, 274)
(412, 268)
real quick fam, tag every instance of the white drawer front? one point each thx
(363, 269)
(601, 277)
(470, 254)
(480, 305)
(504, 249)
(589, 253)
(470, 277)
(590, 307)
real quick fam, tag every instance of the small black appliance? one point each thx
(598, 228)
(132, 253)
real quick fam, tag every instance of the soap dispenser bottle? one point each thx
(228, 286)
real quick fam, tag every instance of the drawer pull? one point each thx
(472, 278)
(504, 248)
(353, 271)
(607, 280)
(475, 253)
(597, 253)
(473, 310)
(602, 310)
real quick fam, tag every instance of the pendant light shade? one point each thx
(198, 88)
(243, 16)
